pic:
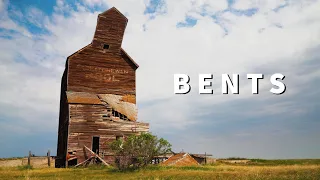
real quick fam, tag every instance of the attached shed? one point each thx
(202, 158)
(98, 94)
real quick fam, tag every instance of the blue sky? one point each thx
(167, 37)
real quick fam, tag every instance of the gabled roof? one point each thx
(113, 9)
(122, 50)
(180, 159)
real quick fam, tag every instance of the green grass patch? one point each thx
(183, 168)
(98, 167)
(25, 167)
(278, 162)
(277, 169)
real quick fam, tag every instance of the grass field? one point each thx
(257, 169)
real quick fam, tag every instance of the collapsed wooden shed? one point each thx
(98, 94)
(180, 159)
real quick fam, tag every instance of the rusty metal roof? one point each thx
(82, 98)
(180, 159)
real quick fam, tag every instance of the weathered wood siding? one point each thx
(110, 30)
(87, 121)
(94, 71)
(103, 71)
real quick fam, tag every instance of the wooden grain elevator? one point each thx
(98, 94)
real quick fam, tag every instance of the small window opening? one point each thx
(106, 46)
(119, 115)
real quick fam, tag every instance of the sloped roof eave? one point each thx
(135, 64)
(124, 52)
(113, 8)
(79, 51)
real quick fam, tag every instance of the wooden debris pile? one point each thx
(118, 104)
(93, 158)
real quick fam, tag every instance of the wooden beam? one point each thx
(97, 156)
(83, 162)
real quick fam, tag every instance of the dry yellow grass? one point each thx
(221, 171)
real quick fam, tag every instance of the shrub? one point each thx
(138, 150)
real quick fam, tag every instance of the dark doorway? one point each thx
(95, 144)
(73, 162)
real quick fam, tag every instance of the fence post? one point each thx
(29, 158)
(48, 154)
(205, 157)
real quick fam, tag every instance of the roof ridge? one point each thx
(183, 156)
(167, 159)
(116, 10)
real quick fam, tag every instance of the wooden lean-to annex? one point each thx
(98, 95)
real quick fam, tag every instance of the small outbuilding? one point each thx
(180, 159)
